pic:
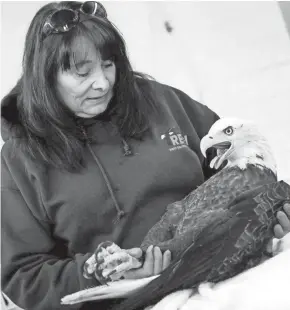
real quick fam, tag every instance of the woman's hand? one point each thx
(154, 263)
(111, 263)
(281, 229)
(134, 265)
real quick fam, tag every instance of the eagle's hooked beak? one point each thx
(205, 143)
(223, 149)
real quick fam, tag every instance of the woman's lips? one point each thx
(96, 98)
(99, 99)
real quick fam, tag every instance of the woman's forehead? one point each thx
(83, 49)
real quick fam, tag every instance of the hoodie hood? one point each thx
(11, 125)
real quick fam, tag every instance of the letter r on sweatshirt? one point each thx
(174, 140)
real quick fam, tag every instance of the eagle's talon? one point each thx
(112, 262)
(117, 264)
(109, 263)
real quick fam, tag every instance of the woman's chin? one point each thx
(94, 111)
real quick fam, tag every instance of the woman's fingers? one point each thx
(286, 218)
(148, 266)
(281, 229)
(284, 221)
(166, 259)
(158, 260)
(155, 262)
(278, 231)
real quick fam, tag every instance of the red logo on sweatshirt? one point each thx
(175, 139)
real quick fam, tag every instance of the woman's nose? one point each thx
(100, 81)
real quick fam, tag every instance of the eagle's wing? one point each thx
(233, 243)
(164, 229)
(201, 219)
(220, 190)
(185, 219)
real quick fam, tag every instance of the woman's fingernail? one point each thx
(157, 250)
(149, 248)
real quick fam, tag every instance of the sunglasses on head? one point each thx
(65, 19)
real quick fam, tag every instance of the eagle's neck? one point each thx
(257, 153)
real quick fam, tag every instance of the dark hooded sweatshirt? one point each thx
(52, 220)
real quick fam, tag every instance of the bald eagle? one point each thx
(219, 229)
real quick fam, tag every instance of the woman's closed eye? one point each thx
(86, 71)
(83, 71)
(83, 74)
(107, 64)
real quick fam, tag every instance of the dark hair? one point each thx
(51, 132)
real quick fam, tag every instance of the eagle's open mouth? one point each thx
(222, 151)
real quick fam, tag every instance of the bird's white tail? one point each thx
(117, 289)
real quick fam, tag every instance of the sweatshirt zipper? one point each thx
(120, 213)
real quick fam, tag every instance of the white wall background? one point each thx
(232, 56)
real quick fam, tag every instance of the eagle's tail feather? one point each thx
(118, 289)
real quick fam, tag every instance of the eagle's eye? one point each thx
(229, 131)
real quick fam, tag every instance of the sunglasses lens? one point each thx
(93, 8)
(63, 20)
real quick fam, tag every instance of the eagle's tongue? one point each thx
(213, 162)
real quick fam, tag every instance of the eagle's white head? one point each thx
(239, 143)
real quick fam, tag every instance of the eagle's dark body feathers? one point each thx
(184, 219)
(234, 241)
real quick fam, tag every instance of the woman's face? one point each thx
(87, 88)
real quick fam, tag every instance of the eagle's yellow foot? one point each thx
(109, 263)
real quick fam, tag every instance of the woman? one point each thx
(93, 152)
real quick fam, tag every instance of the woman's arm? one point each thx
(36, 271)
(33, 276)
